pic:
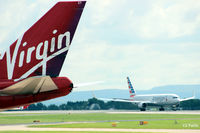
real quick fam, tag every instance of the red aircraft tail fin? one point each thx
(42, 49)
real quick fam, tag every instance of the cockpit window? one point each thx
(175, 97)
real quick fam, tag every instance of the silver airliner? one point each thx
(142, 101)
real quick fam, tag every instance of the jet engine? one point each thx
(142, 105)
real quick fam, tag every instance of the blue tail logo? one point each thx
(131, 89)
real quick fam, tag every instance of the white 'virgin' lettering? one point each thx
(41, 53)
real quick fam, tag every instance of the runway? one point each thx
(99, 111)
(25, 128)
(157, 112)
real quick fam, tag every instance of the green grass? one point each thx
(16, 118)
(161, 124)
(184, 121)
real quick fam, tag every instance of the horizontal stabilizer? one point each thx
(30, 85)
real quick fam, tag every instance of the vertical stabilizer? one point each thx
(131, 89)
(42, 49)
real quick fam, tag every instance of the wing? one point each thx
(186, 99)
(123, 100)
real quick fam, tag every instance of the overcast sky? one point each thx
(155, 42)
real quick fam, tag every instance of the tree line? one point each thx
(95, 104)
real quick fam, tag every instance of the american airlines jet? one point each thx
(30, 67)
(160, 100)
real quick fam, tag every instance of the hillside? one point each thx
(182, 90)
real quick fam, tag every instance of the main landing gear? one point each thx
(143, 109)
(161, 109)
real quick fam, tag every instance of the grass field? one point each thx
(160, 124)
(155, 121)
(29, 118)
